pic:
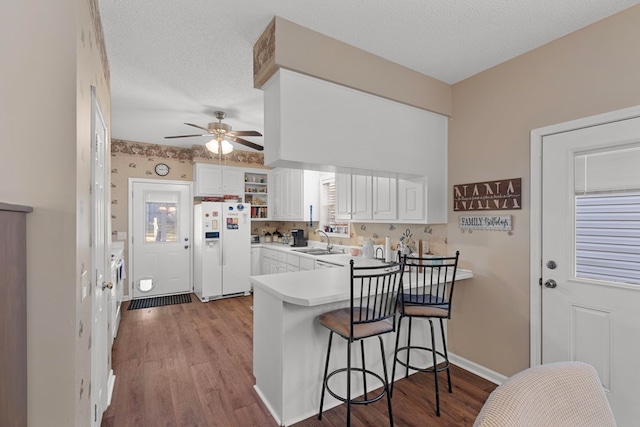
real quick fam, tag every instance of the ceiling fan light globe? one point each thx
(226, 146)
(212, 146)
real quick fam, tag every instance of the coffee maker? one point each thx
(298, 238)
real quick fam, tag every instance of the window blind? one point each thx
(608, 237)
(612, 170)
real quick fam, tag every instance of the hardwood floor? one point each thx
(191, 365)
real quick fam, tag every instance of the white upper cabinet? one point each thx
(208, 180)
(361, 195)
(411, 199)
(353, 197)
(343, 196)
(385, 202)
(296, 194)
(215, 180)
(233, 181)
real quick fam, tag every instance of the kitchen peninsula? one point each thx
(289, 345)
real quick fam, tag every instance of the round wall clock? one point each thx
(162, 169)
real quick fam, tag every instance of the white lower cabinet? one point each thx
(274, 261)
(256, 261)
(293, 262)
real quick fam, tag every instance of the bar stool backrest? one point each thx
(374, 293)
(430, 282)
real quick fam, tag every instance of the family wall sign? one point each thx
(504, 194)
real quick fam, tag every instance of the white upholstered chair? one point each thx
(560, 394)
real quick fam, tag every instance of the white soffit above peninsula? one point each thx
(178, 61)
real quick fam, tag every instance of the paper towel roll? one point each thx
(387, 249)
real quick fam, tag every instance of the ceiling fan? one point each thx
(222, 134)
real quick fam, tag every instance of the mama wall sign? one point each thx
(504, 194)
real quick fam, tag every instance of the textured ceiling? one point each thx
(178, 61)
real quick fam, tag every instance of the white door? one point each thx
(591, 256)
(161, 213)
(100, 348)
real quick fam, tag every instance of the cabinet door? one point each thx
(343, 196)
(361, 192)
(296, 182)
(411, 199)
(275, 190)
(385, 203)
(208, 180)
(256, 261)
(233, 181)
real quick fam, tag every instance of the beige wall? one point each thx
(588, 72)
(50, 60)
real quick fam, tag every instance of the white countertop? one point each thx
(316, 287)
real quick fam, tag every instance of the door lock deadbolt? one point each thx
(551, 265)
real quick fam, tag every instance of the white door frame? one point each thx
(130, 224)
(535, 248)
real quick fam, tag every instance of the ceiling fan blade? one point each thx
(246, 133)
(248, 144)
(196, 126)
(186, 136)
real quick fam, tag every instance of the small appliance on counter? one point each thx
(255, 238)
(297, 238)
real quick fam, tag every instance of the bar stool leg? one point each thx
(324, 378)
(364, 375)
(348, 382)
(386, 380)
(406, 375)
(395, 357)
(435, 367)
(446, 355)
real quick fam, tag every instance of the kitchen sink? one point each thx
(316, 251)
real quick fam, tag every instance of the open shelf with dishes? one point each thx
(256, 192)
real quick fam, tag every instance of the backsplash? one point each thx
(435, 236)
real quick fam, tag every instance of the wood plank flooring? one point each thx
(191, 365)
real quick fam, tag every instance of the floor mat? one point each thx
(159, 301)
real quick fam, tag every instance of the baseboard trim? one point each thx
(477, 369)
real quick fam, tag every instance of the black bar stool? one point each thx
(371, 313)
(427, 294)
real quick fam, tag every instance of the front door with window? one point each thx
(591, 256)
(161, 237)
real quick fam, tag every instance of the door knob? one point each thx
(186, 246)
(106, 285)
(550, 284)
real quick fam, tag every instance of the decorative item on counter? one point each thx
(407, 244)
(355, 250)
(267, 237)
(387, 249)
(277, 237)
(367, 249)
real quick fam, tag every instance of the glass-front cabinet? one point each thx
(256, 193)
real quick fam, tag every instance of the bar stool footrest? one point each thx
(361, 401)
(445, 363)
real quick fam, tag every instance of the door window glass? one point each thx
(607, 215)
(161, 223)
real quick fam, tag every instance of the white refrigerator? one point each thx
(222, 250)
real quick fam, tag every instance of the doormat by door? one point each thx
(159, 301)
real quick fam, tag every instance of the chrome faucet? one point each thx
(329, 245)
